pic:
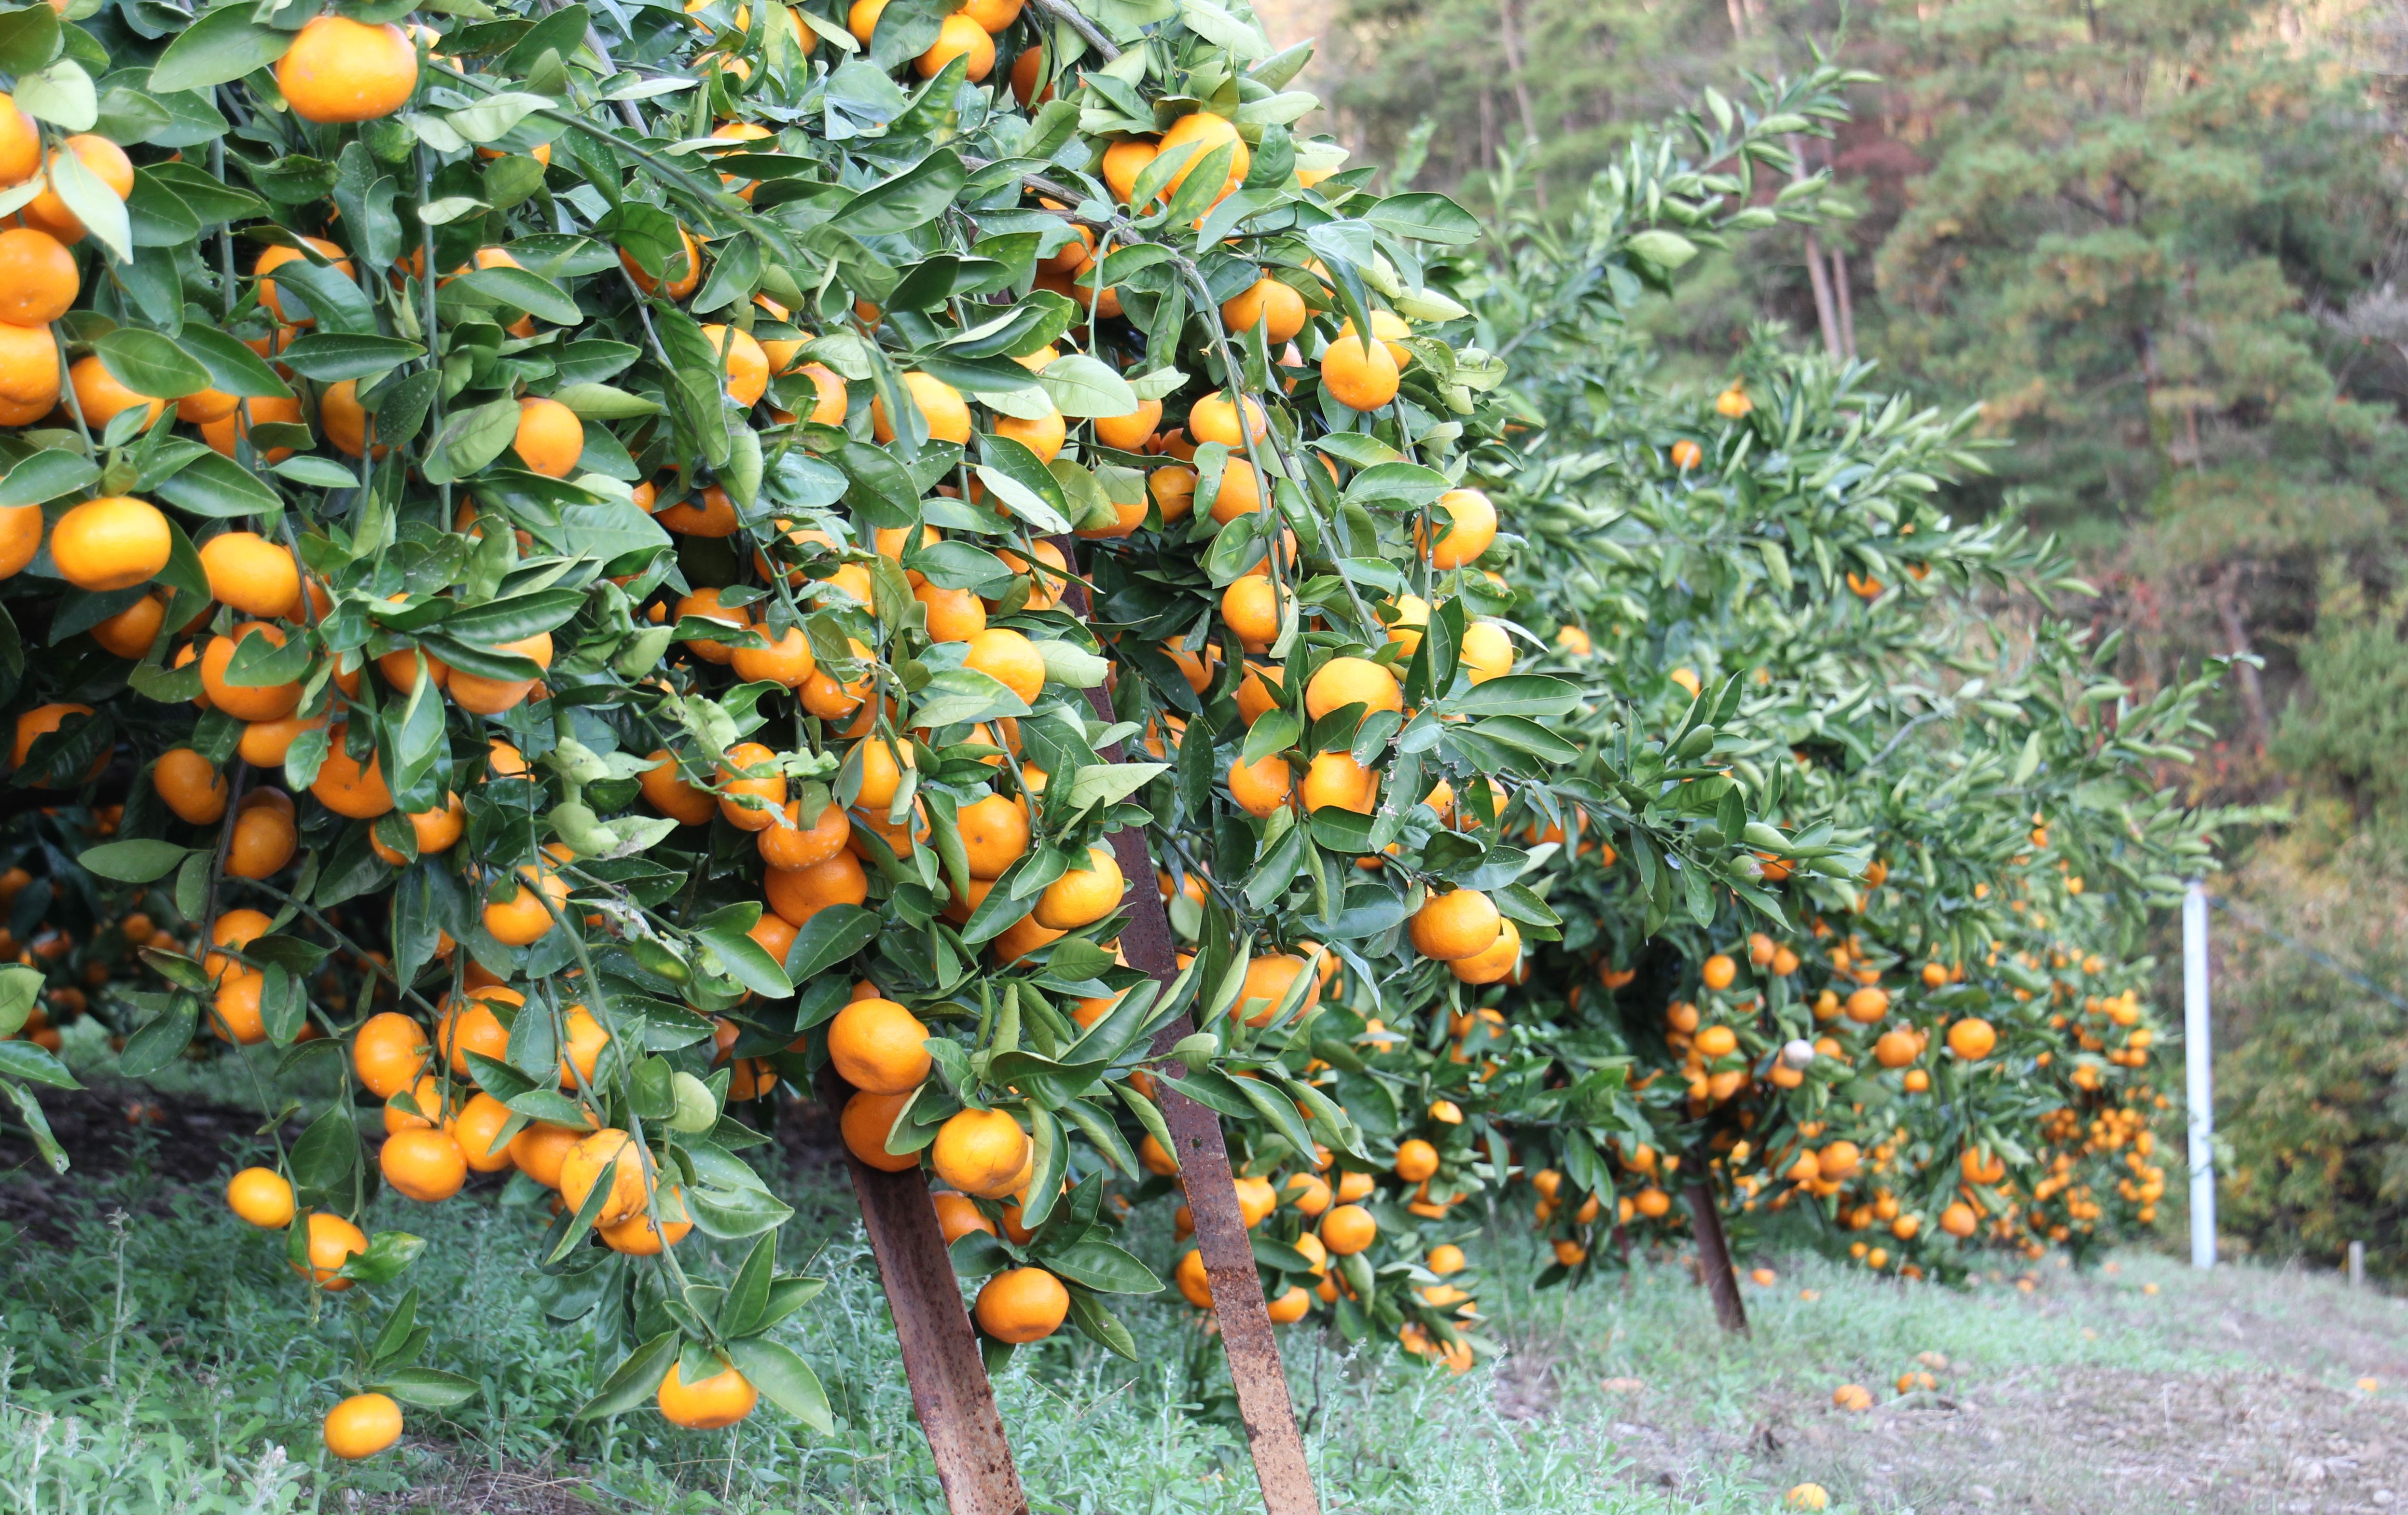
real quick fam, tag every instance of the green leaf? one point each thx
(133, 862)
(23, 1060)
(784, 1379)
(1101, 1267)
(1082, 387)
(330, 357)
(746, 959)
(427, 1388)
(522, 291)
(212, 485)
(636, 1380)
(20, 987)
(959, 697)
(46, 475)
(1666, 250)
(1425, 217)
(1532, 695)
(233, 368)
(150, 363)
(912, 198)
(218, 48)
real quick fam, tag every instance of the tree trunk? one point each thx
(1826, 315)
(1509, 32)
(1714, 1256)
(1847, 302)
(2236, 635)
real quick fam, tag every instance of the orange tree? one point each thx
(594, 568)
(1925, 1017)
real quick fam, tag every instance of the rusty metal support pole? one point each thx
(1254, 1368)
(1714, 1258)
(949, 1389)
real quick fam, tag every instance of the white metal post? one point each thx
(2199, 1057)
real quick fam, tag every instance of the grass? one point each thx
(156, 1355)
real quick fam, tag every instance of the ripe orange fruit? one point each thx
(1041, 435)
(867, 1119)
(799, 893)
(364, 1425)
(666, 791)
(549, 437)
(1123, 161)
(1268, 979)
(1359, 372)
(20, 525)
(1251, 608)
(586, 1163)
(245, 702)
(342, 70)
(792, 846)
(1719, 971)
(277, 257)
(130, 632)
(1343, 681)
(349, 788)
(472, 1129)
(941, 407)
(787, 661)
(108, 163)
(1080, 898)
(743, 365)
(1972, 1038)
(523, 919)
(1336, 781)
(958, 37)
(387, 1052)
(1022, 1305)
(261, 1196)
(1262, 786)
(1867, 1005)
(29, 373)
(1456, 924)
(995, 834)
(1009, 658)
(423, 1164)
(877, 1045)
(709, 1404)
(40, 722)
(1204, 131)
(771, 789)
(332, 1242)
(21, 144)
(1277, 306)
(1415, 1161)
(101, 398)
(540, 1151)
(480, 695)
(637, 1236)
(1129, 433)
(474, 1027)
(113, 542)
(957, 1216)
(263, 841)
(954, 615)
(196, 791)
(1468, 523)
(1348, 1229)
(982, 1152)
(1214, 419)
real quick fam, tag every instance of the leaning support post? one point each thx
(949, 1389)
(2199, 1056)
(1714, 1256)
(1254, 1368)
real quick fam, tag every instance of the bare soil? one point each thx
(2288, 1428)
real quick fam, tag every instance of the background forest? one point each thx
(2160, 243)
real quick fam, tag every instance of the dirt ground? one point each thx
(2289, 1428)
